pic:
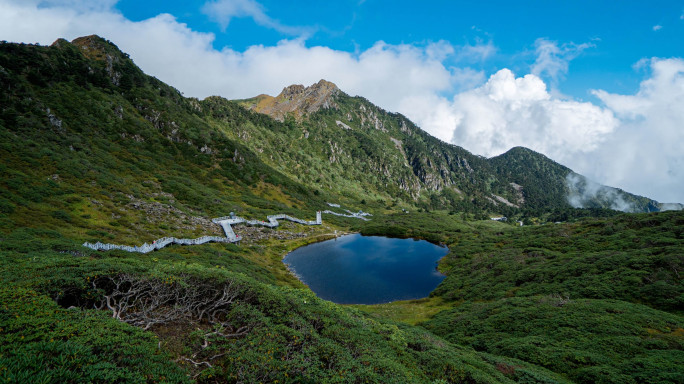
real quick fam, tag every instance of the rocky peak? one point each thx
(59, 43)
(97, 48)
(102, 51)
(292, 91)
(296, 100)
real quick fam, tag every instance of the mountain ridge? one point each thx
(564, 190)
(328, 142)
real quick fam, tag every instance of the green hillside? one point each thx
(103, 150)
(550, 185)
(599, 300)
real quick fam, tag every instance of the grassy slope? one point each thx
(114, 147)
(591, 341)
(636, 258)
(598, 300)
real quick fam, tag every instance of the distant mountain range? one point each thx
(81, 119)
(426, 168)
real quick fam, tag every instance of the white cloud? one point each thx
(634, 142)
(509, 111)
(43, 21)
(657, 28)
(553, 60)
(186, 59)
(478, 52)
(583, 191)
(223, 11)
(645, 154)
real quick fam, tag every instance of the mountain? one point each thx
(93, 149)
(90, 139)
(426, 170)
(321, 144)
(548, 183)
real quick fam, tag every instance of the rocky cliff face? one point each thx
(99, 49)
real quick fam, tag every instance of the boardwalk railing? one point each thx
(157, 244)
(358, 215)
(225, 222)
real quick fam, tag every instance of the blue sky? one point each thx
(595, 85)
(621, 32)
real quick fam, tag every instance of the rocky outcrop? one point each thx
(296, 100)
(97, 48)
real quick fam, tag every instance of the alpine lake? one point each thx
(356, 269)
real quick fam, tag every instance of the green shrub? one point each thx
(61, 215)
(41, 342)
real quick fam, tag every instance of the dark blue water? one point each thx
(357, 269)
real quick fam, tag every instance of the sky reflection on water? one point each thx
(357, 269)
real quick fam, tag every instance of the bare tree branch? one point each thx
(148, 302)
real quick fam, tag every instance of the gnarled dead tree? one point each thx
(145, 302)
(148, 302)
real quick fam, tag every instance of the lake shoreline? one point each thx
(308, 241)
(367, 270)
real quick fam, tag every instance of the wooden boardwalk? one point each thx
(225, 222)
